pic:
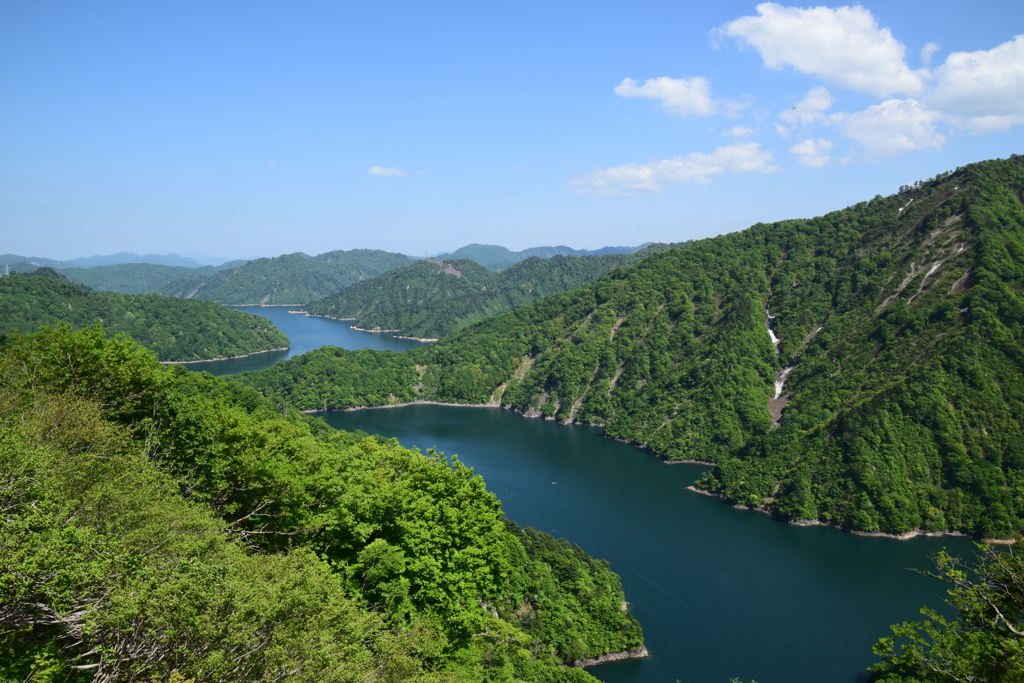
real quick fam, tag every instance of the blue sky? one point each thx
(256, 128)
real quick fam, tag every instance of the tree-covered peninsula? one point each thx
(430, 298)
(160, 524)
(864, 368)
(175, 329)
(288, 279)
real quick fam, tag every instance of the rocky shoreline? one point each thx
(209, 360)
(868, 534)
(639, 653)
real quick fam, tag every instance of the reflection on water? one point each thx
(305, 333)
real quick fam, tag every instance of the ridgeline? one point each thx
(431, 299)
(288, 279)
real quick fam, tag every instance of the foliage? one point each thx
(495, 257)
(159, 522)
(175, 329)
(430, 299)
(984, 643)
(901, 321)
(288, 279)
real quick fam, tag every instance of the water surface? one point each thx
(720, 592)
(306, 334)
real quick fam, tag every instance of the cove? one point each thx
(306, 334)
(720, 592)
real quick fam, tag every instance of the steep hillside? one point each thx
(166, 525)
(864, 368)
(176, 329)
(431, 299)
(288, 279)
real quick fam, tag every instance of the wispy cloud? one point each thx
(696, 167)
(386, 172)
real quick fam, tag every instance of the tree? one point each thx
(984, 643)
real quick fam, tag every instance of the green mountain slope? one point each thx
(176, 329)
(496, 257)
(133, 278)
(288, 279)
(158, 511)
(901, 347)
(431, 299)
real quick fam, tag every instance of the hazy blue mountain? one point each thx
(128, 257)
(35, 261)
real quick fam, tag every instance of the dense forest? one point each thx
(495, 257)
(133, 278)
(160, 524)
(175, 329)
(288, 279)
(862, 368)
(431, 298)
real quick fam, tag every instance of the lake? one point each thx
(305, 333)
(720, 592)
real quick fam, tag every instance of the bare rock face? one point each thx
(638, 653)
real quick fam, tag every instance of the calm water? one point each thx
(305, 334)
(720, 592)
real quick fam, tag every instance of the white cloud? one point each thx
(811, 108)
(740, 132)
(781, 130)
(843, 45)
(928, 51)
(982, 91)
(812, 152)
(696, 167)
(385, 172)
(893, 127)
(679, 96)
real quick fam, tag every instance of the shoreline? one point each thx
(424, 340)
(762, 509)
(639, 653)
(210, 360)
(263, 305)
(853, 532)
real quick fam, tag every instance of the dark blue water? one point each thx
(305, 334)
(720, 592)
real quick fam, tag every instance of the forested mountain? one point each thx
(133, 278)
(176, 329)
(160, 524)
(892, 401)
(431, 299)
(288, 279)
(495, 257)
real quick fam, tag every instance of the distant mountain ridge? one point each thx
(430, 299)
(496, 257)
(288, 279)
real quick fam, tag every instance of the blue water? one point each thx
(305, 333)
(720, 592)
